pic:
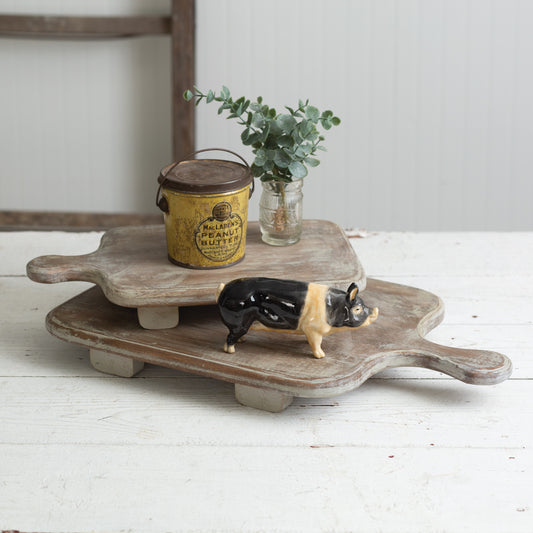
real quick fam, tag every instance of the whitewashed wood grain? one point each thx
(209, 488)
(467, 324)
(44, 355)
(393, 253)
(466, 254)
(186, 411)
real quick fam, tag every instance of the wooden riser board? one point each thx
(270, 368)
(132, 268)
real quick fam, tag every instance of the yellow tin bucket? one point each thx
(205, 205)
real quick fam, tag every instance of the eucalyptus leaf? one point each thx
(303, 150)
(257, 170)
(281, 159)
(260, 157)
(271, 143)
(311, 161)
(269, 166)
(253, 138)
(296, 137)
(289, 151)
(285, 141)
(275, 130)
(258, 120)
(305, 127)
(312, 113)
(297, 169)
(286, 123)
(265, 133)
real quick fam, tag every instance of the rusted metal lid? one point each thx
(205, 176)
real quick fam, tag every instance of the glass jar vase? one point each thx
(280, 212)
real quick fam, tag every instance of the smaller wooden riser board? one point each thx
(131, 266)
(271, 368)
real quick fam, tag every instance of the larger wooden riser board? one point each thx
(270, 368)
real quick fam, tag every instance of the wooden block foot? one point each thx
(158, 317)
(264, 399)
(115, 364)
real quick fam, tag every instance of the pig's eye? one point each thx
(357, 309)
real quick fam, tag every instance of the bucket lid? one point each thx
(205, 176)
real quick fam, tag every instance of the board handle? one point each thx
(57, 268)
(478, 367)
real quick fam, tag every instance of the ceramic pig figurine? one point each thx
(291, 306)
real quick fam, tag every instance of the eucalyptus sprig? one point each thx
(283, 144)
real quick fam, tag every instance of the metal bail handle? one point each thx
(162, 202)
(252, 183)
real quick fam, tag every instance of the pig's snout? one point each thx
(370, 316)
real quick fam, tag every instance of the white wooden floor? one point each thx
(410, 451)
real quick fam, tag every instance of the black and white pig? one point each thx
(310, 309)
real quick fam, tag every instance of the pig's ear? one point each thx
(351, 293)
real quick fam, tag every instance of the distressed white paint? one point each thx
(113, 364)
(158, 317)
(267, 400)
(167, 451)
(435, 97)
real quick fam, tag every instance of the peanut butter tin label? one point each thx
(219, 236)
(207, 230)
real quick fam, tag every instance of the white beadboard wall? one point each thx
(435, 98)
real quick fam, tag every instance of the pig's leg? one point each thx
(314, 338)
(231, 340)
(236, 333)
